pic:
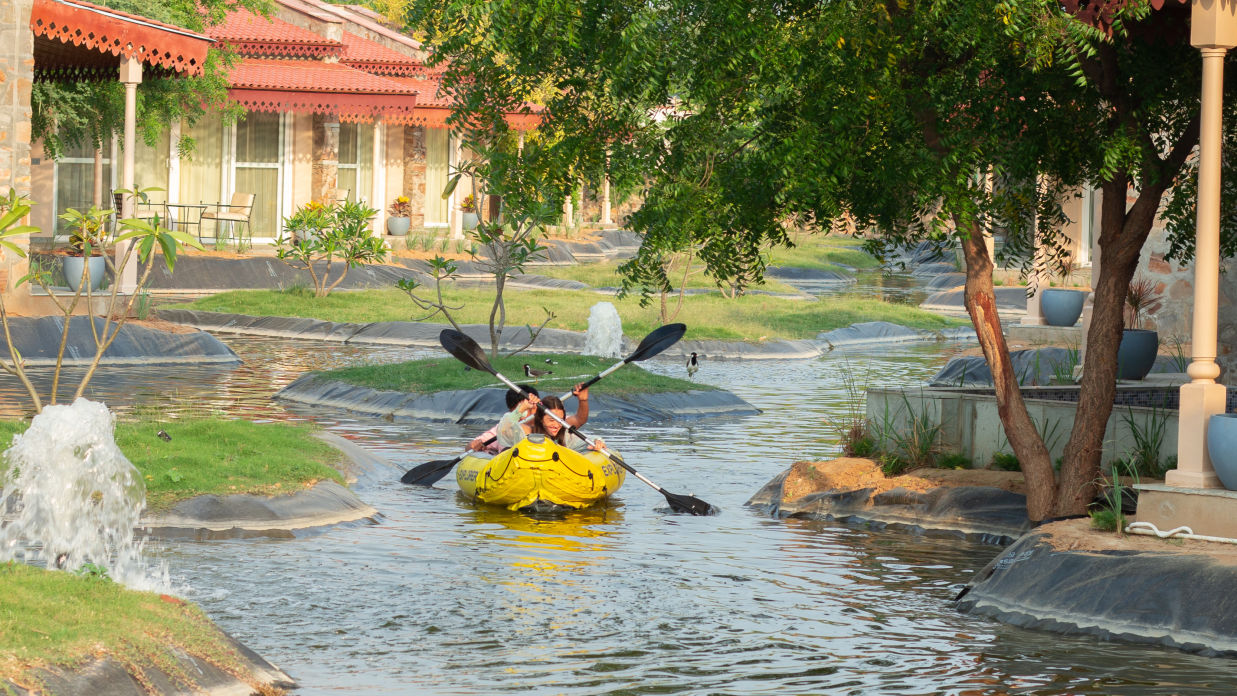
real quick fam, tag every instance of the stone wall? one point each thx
(414, 172)
(16, 77)
(1174, 316)
(325, 158)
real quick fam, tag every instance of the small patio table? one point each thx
(186, 215)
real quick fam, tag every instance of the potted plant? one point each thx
(468, 207)
(84, 263)
(1139, 346)
(1061, 306)
(400, 217)
(307, 222)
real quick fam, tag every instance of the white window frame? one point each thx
(228, 175)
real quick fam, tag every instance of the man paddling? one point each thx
(520, 408)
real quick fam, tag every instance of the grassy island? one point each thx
(444, 374)
(747, 318)
(217, 456)
(57, 619)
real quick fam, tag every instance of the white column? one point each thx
(378, 196)
(605, 201)
(131, 76)
(173, 162)
(1202, 396)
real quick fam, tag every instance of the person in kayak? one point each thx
(554, 430)
(516, 423)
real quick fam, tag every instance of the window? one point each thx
(75, 183)
(437, 146)
(258, 156)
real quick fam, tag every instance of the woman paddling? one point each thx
(553, 429)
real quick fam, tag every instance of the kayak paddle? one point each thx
(658, 340)
(468, 352)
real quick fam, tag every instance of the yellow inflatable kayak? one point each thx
(538, 473)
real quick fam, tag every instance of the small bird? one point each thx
(163, 435)
(548, 361)
(535, 374)
(693, 364)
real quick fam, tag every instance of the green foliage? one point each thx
(93, 571)
(1004, 461)
(317, 235)
(87, 231)
(953, 460)
(1107, 520)
(907, 438)
(1148, 435)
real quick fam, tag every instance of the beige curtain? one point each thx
(346, 175)
(436, 144)
(200, 171)
(257, 170)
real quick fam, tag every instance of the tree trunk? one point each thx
(1122, 235)
(1025, 440)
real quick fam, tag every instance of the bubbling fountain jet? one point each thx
(71, 498)
(605, 331)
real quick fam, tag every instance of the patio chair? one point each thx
(236, 213)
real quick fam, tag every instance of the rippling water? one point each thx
(441, 597)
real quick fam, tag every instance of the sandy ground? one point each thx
(848, 474)
(1077, 535)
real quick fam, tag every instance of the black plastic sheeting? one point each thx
(946, 281)
(325, 503)
(266, 272)
(1033, 367)
(107, 675)
(981, 513)
(883, 332)
(38, 339)
(1181, 600)
(486, 406)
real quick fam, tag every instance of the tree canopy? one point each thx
(910, 119)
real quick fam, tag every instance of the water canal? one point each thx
(439, 597)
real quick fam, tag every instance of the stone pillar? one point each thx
(131, 76)
(326, 157)
(1213, 32)
(16, 78)
(174, 162)
(414, 172)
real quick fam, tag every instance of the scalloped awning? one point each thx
(274, 85)
(76, 36)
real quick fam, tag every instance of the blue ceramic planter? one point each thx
(1136, 355)
(1062, 307)
(1222, 446)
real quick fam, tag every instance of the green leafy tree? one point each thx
(317, 235)
(919, 120)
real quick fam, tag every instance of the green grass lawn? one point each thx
(446, 373)
(606, 275)
(64, 619)
(823, 252)
(217, 456)
(747, 318)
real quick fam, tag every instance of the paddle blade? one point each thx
(657, 341)
(429, 473)
(465, 350)
(689, 504)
